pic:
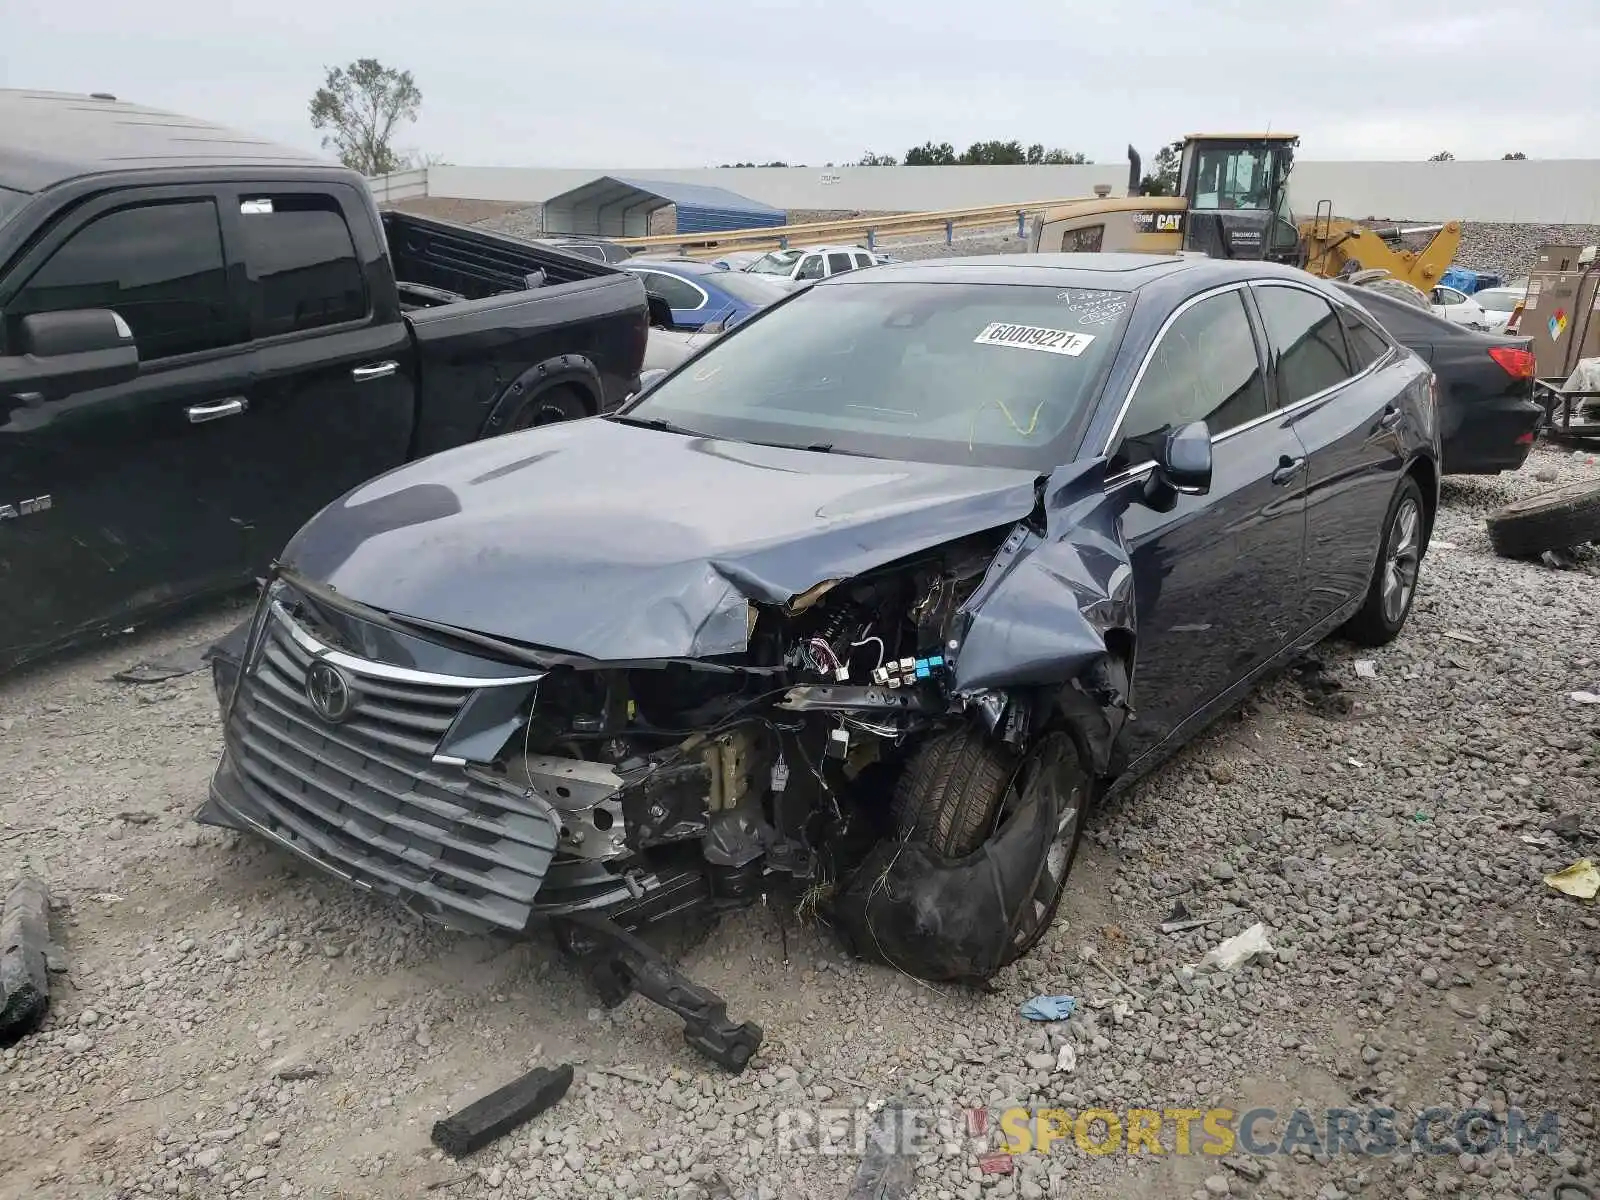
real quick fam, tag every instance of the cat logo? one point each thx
(24, 508)
(1158, 222)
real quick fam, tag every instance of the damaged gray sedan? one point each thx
(874, 596)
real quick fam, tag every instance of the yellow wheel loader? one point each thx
(1233, 203)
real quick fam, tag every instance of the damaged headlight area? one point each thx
(487, 784)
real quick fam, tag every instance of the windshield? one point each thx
(749, 288)
(1498, 301)
(1237, 178)
(779, 262)
(987, 374)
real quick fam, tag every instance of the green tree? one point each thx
(358, 108)
(930, 155)
(1442, 156)
(1162, 179)
(873, 159)
(1515, 156)
(994, 154)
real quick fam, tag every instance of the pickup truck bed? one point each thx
(504, 329)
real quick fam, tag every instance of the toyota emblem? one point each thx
(329, 692)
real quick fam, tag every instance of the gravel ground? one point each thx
(1394, 851)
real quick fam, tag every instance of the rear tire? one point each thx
(1394, 579)
(547, 408)
(1553, 520)
(960, 787)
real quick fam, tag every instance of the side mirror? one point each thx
(1185, 462)
(61, 353)
(648, 378)
(660, 312)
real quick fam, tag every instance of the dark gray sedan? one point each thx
(861, 598)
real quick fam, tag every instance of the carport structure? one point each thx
(612, 206)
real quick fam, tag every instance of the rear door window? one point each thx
(158, 266)
(838, 264)
(678, 293)
(1306, 340)
(301, 262)
(1366, 344)
(862, 260)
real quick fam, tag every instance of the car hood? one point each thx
(620, 543)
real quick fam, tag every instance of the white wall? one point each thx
(1548, 192)
(1556, 191)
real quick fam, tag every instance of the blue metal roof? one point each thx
(613, 199)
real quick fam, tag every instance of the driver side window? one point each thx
(810, 267)
(1204, 368)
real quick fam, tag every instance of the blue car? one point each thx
(703, 294)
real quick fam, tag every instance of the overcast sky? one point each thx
(626, 83)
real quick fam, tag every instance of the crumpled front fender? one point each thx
(1056, 605)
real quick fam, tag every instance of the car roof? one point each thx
(1106, 271)
(50, 137)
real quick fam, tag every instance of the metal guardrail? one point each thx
(779, 237)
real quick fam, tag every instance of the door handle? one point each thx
(1288, 468)
(376, 371)
(1391, 417)
(199, 414)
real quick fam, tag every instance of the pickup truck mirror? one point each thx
(660, 312)
(60, 353)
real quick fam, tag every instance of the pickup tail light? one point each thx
(1516, 362)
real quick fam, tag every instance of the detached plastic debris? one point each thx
(1181, 919)
(996, 1163)
(1067, 1061)
(1366, 668)
(25, 953)
(185, 660)
(501, 1111)
(1580, 880)
(1237, 950)
(888, 1168)
(1050, 1008)
(1586, 697)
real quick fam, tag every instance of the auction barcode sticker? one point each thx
(1034, 337)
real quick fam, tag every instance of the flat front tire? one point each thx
(960, 787)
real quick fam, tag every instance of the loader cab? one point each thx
(1236, 189)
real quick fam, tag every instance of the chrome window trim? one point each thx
(378, 670)
(1315, 397)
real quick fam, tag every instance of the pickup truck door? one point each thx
(121, 494)
(333, 401)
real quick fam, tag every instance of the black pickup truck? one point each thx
(204, 338)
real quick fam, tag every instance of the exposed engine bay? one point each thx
(764, 765)
(904, 753)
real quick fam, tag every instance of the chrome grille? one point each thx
(364, 796)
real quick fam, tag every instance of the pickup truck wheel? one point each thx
(557, 404)
(960, 788)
